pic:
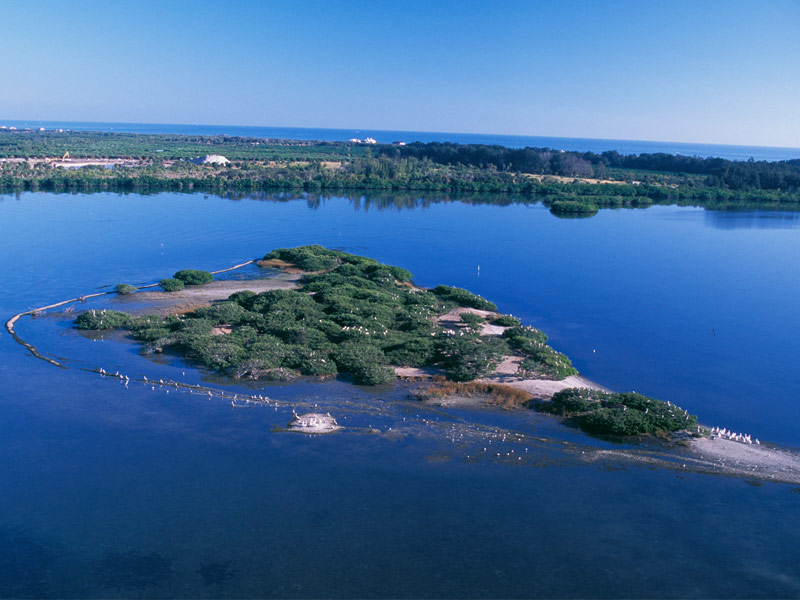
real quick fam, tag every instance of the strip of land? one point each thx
(570, 183)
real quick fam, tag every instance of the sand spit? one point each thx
(713, 456)
(212, 292)
(197, 296)
(760, 462)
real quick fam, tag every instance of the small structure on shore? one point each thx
(211, 159)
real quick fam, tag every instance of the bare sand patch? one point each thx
(543, 388)
(759, 461)
(418, 372)
(196, 296)
(452, 319)
(562, 179)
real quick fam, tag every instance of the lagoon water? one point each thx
(114, 491)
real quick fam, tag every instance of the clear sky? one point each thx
(694, 71)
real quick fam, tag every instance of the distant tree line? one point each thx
(718, 172)
(559, 179)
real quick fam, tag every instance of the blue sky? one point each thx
(702, 71)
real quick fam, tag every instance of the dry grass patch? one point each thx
(492, 393)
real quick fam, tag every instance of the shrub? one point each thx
(468, 357)
(365, 362)
(472, 320)
(319, 364)
(575, 400)
(518, 337)
(463, 297)
(549, 363)
(615, 422)
(399, 273)
(226, 312)
(193, 277)
(171, 285)
(572, 207)
(245, 298)
(620, 414)
(257, 368)
(507, 321)
(102, 319)
(125, 288)
(416, 352)
(307, 258)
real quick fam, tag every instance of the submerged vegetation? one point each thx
(571, 183)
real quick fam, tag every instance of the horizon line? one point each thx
(353, 129)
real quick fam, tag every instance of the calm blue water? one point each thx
(385, 137)
(104, 485)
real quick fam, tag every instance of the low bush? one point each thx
(307, 258)
(171, 285)
(620, 414)
(102, 319)
(507, 321)
(125, 288)
(463, 297)
(573, 207)
(468, 357)
(472, 320)
(365, 362)
(194, 277)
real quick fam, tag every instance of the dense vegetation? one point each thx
(194, 277)
(170, 284)
(102, 319)
(358, 317)
(353, 315)
(573, 183)
(718, 172)
(619, 414)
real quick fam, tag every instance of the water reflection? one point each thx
(752, 219)
(381, 200)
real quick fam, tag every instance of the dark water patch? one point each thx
(216, 573)
(26, 565)
(132, 570)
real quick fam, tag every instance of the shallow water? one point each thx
(113, 491)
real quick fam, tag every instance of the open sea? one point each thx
(143, 490)
(386, 137)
